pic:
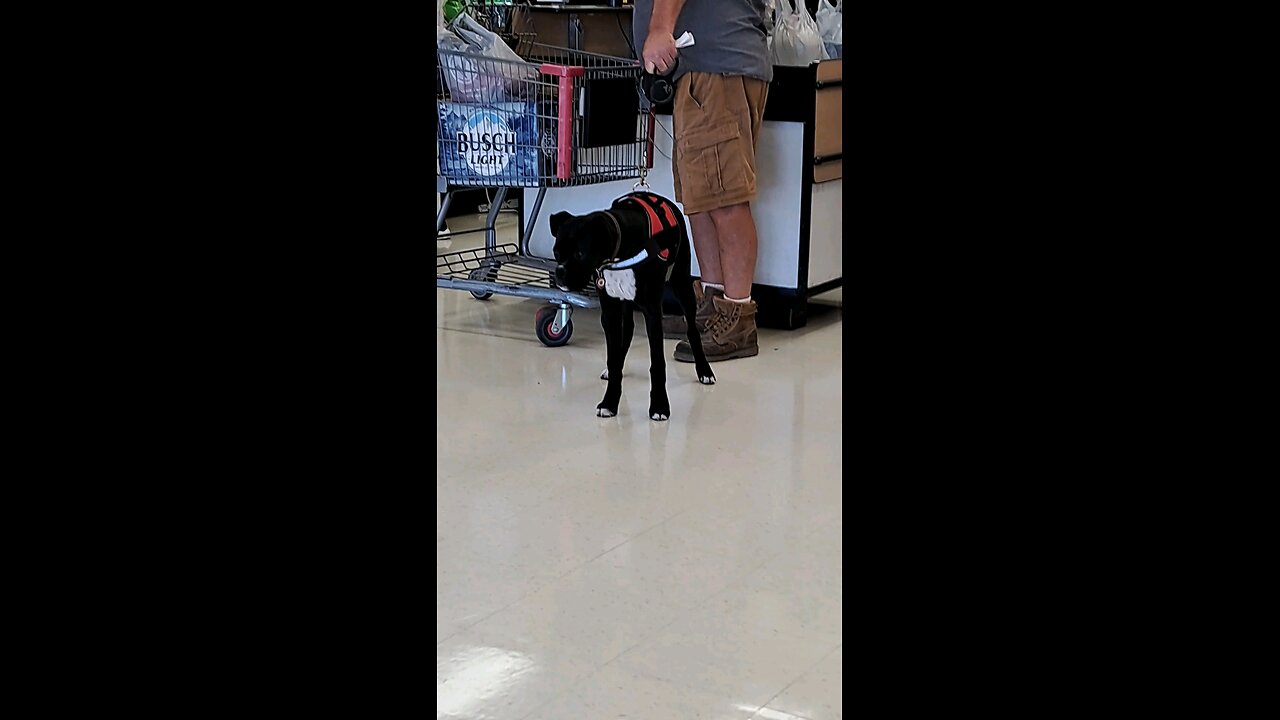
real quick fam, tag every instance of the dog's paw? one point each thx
(659, 409)
(602, 411)
(707, 379)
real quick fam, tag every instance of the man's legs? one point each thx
(706, 247)
(736, 243)
(718, 121)
(706, 244)
(731, 331)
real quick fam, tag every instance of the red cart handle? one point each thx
(564, 135)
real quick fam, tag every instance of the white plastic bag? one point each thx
(830, 27)
(807, 19)
(796, 40)
(825, 11)
(466, 72)
(483, 39)
(474, 76)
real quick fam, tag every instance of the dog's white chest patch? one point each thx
(620, 284)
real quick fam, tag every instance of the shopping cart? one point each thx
(555, 118)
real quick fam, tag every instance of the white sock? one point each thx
(746, 299)
(717, 286)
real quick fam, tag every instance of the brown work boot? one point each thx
(675, 328)
(730, 334)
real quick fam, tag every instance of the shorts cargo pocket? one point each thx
(717, 154)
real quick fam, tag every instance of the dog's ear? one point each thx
(557, 220)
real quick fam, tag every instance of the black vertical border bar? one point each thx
(806, 187)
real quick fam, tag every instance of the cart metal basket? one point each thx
(554, 118)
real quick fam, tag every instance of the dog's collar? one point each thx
(613, 263)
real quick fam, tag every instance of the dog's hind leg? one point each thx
(611, 319)
(683, 290)
(659, 404)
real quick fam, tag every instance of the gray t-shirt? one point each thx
(729, 35)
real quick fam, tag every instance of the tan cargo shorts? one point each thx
(717, 128)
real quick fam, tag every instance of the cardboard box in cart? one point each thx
(497, 144)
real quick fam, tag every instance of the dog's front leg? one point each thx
(612, 320)
(659, 404)
(628, 329)
(628, 314)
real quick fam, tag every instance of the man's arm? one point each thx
(660, 45)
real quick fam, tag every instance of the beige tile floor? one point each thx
(591, 568)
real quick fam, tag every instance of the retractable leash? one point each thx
(659, 90)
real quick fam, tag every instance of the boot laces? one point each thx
(722, 320)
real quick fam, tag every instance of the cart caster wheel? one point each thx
(542, 322)
(483, 274)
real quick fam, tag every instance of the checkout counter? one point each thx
(798, 211)
(598, 28)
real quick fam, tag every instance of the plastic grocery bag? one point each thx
(487, 70)
(483, 39)
(796, 40)
(830, 27)
(827, 14)
(807, 19)
(465, 72)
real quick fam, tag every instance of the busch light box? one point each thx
(490, 144)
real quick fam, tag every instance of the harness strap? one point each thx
(651, 204)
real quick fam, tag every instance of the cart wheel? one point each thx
(542, 322)
(488, 273)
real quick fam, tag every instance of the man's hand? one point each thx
(659, 52)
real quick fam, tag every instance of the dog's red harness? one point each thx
(651, 204)
(661, 244)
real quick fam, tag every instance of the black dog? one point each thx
(645, 234)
